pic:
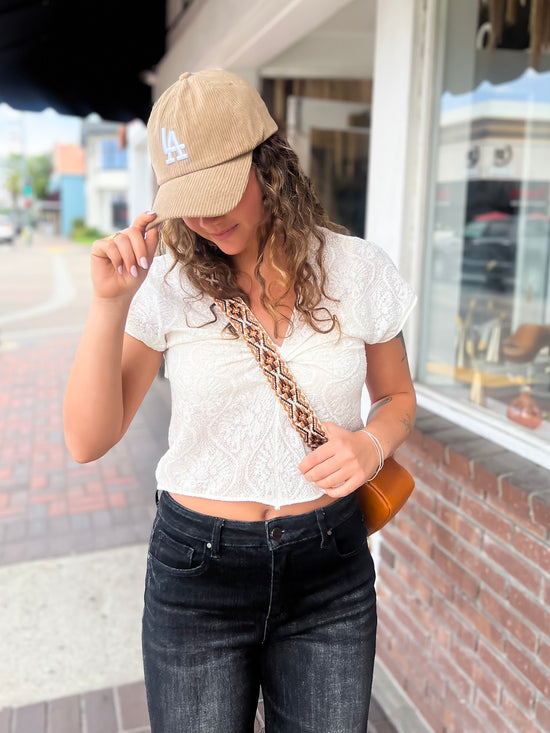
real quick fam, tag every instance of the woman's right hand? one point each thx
(119, 263)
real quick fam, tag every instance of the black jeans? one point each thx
(287, 604)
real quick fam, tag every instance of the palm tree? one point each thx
(14, 180)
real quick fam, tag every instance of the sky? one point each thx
(531, 87)
(34, 133)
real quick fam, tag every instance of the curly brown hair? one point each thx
(292, 225)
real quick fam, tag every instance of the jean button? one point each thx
(276, 533)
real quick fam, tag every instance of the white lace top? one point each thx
(229, 437)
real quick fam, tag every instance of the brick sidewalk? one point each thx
(50, 505)
(116, 710)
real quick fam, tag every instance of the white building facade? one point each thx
(107, 176)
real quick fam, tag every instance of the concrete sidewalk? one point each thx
(73, 538)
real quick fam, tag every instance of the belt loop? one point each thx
(322, 524)
(216, 532)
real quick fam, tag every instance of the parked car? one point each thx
(489, 253)
(7, 230)
(485, 255)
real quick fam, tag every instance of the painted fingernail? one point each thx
(143, 262)
(150, 213)
(133, 271)
(120, 269)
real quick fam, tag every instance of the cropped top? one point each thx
(229, 437)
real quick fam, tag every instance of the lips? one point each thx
(223, 234)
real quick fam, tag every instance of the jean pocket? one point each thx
(349, 538)
(182, 556)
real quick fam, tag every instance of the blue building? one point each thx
(68, 181)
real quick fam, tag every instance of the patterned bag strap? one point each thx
(278, 374)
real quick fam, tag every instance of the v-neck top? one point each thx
(229, 437)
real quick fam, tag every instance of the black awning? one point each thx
(80, 56)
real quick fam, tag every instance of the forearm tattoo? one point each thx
(407, 422)
(378, 405)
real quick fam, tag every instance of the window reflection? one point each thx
(488, 314)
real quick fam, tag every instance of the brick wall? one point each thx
(464, 584)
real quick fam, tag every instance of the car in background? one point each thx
(489, 252)
(7, 229)
(485, 254)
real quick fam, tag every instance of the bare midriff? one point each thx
(248, 511)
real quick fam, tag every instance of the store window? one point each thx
(331, 138)
(486, 335)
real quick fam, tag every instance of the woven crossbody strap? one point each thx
(276, 370)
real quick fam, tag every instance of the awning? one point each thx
(80, 56)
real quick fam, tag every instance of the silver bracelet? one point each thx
(379, 450)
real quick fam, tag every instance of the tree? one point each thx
(39, 168)
(34, 171)
(14, 177)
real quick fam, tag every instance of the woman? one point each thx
(259, 572)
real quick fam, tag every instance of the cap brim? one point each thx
(206, 193)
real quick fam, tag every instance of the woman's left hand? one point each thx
(343, 463)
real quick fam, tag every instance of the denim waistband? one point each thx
(271, 533)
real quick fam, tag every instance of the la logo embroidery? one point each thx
(172, 146)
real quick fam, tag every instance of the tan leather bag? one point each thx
(385, 495)
(382, 497)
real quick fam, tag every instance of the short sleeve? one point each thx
(145, 321)
(375, 299)
(389, 298)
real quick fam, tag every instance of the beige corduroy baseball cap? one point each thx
(202, 131)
